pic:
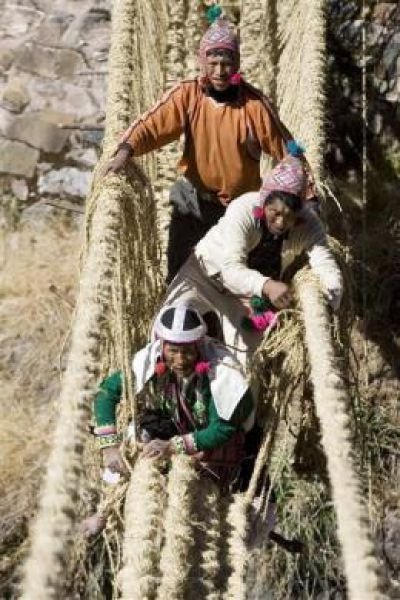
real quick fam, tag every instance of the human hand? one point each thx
(278, 293)
(157, 449)
(112, 460)
(118, 162)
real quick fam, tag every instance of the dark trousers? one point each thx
(192, 216)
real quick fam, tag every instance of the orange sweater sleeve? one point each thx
(162, 124)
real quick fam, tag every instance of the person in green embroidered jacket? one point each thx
(193, 397)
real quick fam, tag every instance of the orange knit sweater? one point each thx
(223, 142)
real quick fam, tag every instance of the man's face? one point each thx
(279, 217)
(181, 358)
(219, 68)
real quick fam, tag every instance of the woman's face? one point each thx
(279, 217)
(181, 358)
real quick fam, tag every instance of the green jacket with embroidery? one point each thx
(211, 431)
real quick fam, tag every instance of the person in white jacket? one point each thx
(246, 252)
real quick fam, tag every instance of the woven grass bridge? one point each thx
(174, 539)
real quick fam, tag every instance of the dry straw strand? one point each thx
(301, 75)
(179, 538)
(173, 65)
(237, 550)
(210, 565)
(331, 401)
(140, 575)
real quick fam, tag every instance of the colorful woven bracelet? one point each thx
(105, 441)
(179, 444)
(105, 430)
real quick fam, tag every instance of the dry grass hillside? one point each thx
(38, 277)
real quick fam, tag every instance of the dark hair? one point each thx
(290, 200)
(224, 52)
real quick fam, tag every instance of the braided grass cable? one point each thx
(144, 510)
(193, 32)
(210, 565)
(173, 66)
(179, 538)
(237, 551)
(204, 577)
(301, 75)
(331, 400)
(43, 573)
(258, 47)
(52, 528)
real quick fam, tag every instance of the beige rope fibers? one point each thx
(301, 79)
(140, 575)
(52, 530)
(173, 67)
(258, 44)
(331, 401)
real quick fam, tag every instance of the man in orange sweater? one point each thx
(226, 123)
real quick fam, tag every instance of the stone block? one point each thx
(20, 189)
(6, 118)
(17, 158)
(49, 62)
(66, 181)
(52, 29)
(6, 59)
(14, 97)
(87, 157)
(41, 130)
(19, 21)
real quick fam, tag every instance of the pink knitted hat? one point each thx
(219, 36)
(288, 176)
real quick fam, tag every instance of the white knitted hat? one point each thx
(179, 324)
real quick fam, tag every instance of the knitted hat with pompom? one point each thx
(288, 176)
(219, 36)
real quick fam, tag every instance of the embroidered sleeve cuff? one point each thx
(107, 436)
(184, 444)
(106, 441)
(105, 430)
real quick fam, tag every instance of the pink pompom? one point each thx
(258, 212)
(235, 79)
(202, 367)
(259, 322)
(160, 369)
(271, 318)
(264, 321)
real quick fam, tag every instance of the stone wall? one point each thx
(53, 64)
